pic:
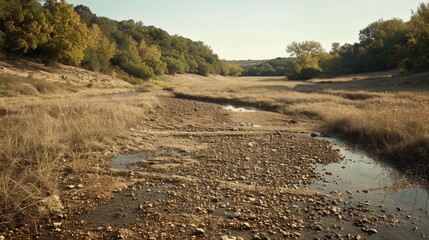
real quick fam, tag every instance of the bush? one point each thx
(304, 74)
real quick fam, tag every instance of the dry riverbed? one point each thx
(195, 170)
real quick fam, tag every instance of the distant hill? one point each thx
(270, 67)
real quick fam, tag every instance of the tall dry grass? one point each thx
(387, 114)
(36, 133)
(395, 127)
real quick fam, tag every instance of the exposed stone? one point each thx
(199, 231)
(51, 205)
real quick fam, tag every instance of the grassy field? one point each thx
(385, 113)
(43, 123)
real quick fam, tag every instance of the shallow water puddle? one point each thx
(361, 179)
(239, 109)
(125, 162)
(122, 162)
(127, 207)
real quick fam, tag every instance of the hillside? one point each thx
(60, 32)
(24, 76)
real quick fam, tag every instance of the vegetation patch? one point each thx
(43, 132)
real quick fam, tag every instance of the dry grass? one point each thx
(13, 86)
(389, 114)
(36, 133)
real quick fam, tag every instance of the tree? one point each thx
(335, 48)
(86, 15)
(419, 38)
(128, 58)
(99, 51)
(379, 42)
(331, 64)
(69, 37)
(300, 49)
(151, 56)
(24, 26)
(3, 14)
(307, 57)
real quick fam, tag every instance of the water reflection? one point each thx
(361, 178)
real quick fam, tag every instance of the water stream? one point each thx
(362, 179)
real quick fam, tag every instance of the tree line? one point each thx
(56, 31)
(273, 67)
(383, 45)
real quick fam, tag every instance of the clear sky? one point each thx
(256, 29)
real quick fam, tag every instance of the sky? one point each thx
(256, 29)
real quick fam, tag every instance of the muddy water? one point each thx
(362, 179)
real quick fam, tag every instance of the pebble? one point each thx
(246, 225)
(199, 231)
(57, 224)
(372, 231)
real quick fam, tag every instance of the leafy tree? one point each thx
(24, 26)
(300, 49)
(349, 57)
(69, 37)
(336, 48)
(3, 14)
(151, 56)
(128, 58)
(419, 39)
(99, 51)
(331, 64)
(379, 42)
(175, 65)
(86, 15)
(307, 55)
(235, 70)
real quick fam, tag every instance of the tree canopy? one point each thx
(60, 32)
(383, 45)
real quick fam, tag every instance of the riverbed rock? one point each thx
(314, 134)
(372, 231)
(51, 205)
(199, 231)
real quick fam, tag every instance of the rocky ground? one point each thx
(202, 172)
